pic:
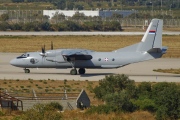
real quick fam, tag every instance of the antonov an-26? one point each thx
(150, 47)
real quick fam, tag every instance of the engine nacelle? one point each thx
(48, 54)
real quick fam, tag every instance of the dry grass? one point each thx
(98, 43)
(139, 29)
(174, 71)
(139, 115)
(53, 86)
(172, 29)
(34, 43)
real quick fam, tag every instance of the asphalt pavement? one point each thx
(81, 33)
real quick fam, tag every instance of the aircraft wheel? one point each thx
(73, 72)
(82, 71)
(26, 70)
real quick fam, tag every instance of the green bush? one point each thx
(144, 90)
(117, 91)
(43, 112)
(100, 109)
(120, 101)
(115, 83)
(56, 105)
(4, 26)
(16, 26)
(145, 104)
(167, 100)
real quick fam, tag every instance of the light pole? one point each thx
(170, 9)
(135, 16)
(152, 8)
(17, 16)
(121, 5)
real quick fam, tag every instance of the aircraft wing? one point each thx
(73, 55)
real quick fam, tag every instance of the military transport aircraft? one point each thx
(149, 48)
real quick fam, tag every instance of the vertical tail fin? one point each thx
(153, 36)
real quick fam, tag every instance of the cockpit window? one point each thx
(23, 56)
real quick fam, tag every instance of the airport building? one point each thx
(101, 13)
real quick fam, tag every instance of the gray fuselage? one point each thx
(55, 59)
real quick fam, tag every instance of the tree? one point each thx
(17, 1)
(4, 17)
(167, 100)
(69, 5)
(79, 7)
(144, 90)
(120, 101)
(60, 4)
(17, 26)
(78, 16)
(5, 26)
(115, 83)
(72, 26)
(32, 26)
(117, 91)
(46, 26)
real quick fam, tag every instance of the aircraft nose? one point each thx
(13, 62)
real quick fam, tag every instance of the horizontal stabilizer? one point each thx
(158, 50)
(164, 49)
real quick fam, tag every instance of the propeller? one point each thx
(51, 45)
(43, 51)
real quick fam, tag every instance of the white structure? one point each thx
(69, 13)
(104, 13)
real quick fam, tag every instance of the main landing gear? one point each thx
(26, 70)
(74, 71)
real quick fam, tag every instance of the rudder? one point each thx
(152, 37)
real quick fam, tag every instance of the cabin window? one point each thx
(99, 59)
(113, 59)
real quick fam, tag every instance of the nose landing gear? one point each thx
(26, 70)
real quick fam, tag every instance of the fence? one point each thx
(16, 16)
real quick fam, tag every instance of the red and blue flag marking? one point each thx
(152, 32)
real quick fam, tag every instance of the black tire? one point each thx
(73, 72)
(82, 71)
(26, 70)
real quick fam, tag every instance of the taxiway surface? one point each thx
(83, 33)
(139, 72)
